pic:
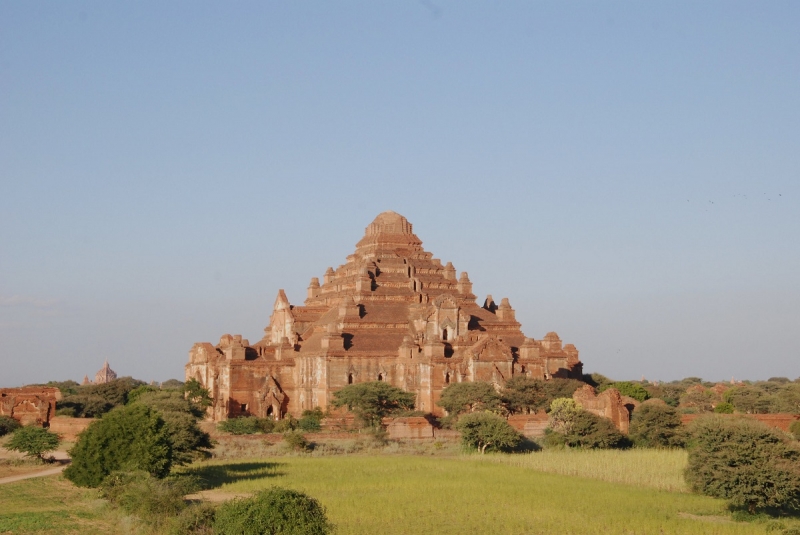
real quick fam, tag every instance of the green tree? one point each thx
(484, 430)
(373, 401)
(8, 425)
(525, 395)
(749, 399)
(246, 425)
(197, 394)
(459, 398)
(33, 441)
(590, 431)
(172, 383)
(745, 462)
(697, 399)
(275, 511)
(311, 420)
(656, 426)
(128, 438)
(628, 388)
(724, 408)
(563, 412)
(794, 429)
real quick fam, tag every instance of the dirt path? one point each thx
(40, 473)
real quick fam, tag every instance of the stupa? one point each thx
(391, 313)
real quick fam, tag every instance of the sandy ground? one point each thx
(11, 473)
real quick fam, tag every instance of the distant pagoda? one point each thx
(105, 375)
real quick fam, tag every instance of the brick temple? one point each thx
(391, 313)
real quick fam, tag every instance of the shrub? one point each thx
(276, 511)
(196, 519)
(484, 430)
(246, 425)
(282, 426)
(724, 408)
(656, 426)
(371, 402)
(795, 429)
(133, 437)
(8, 425)
(562, 414)
(595, 432)
(84, 405)
(627, 388)
(525, 395)
(295, 440)
(311, 420)
(33, 441)
(151, 499)
(459, 398)
(745, 462)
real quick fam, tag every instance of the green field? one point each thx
(408, 494)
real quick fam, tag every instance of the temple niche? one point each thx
(392, 312)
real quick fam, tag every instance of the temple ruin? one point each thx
(391, 313)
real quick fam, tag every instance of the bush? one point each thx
(311, 420)
(151, 499)
(276, 511)
(459, 398)
(595, 432)
(745, 462)
(33, 441)
(246, 425)
(795, 429)
(282, 426)
(724, 408)
(562, 414)
(656, 426)
(8, 425)
(194, 520)
(295, 440)
(627, 388)
(525, 395)
(484, 430)
(371, 402)
(133, 437)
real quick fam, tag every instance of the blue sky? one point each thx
(628, 174)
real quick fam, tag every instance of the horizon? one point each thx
(627, 175)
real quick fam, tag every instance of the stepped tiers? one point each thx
(391, 313)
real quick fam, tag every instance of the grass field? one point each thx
(610, 493)
(405, 495)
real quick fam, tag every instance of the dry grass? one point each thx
(644, 468)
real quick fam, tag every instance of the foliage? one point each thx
(596, 380)
(172, 383)
(180, 415)
(276, 511)
(562, 414)
(628, 388)
(484, 430)
(196, 393)
(288, 423)
(295, 440)
(724, 408)
(65, 387)
(133, 437)
(196, 519)
(134, 394)
(311, 420)
(114, 392)
(656, 426)
(8, 425)
(91, 401)
(748, 399)
(459, 398)
(698, 398)
(373, 401)
(522, 394)
(151, 499)
(588, 430)
(245, 425)
(33, 441)
(795, 429)
(84, 405)
(745, 462)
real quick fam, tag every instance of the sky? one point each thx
(626, 173)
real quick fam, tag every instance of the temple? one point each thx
(391, 313)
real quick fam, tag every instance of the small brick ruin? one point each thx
(29, 405)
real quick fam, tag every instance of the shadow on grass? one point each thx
(213, 476)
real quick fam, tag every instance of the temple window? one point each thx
(380, 377)
(444, 334)
(349, 378)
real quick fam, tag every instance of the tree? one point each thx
(487, 430)
(562, 414)
(745, 462)
(373, 401)
(588, 430)
(132, 437)
(196, 393)
(698, 399)
(522, 394)
(627, 388)
(748, 399)
(795, 429)
(459, 398)
(172, 383)
(33, 441)
(656, 426)
(8, 425)
(277, 511)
